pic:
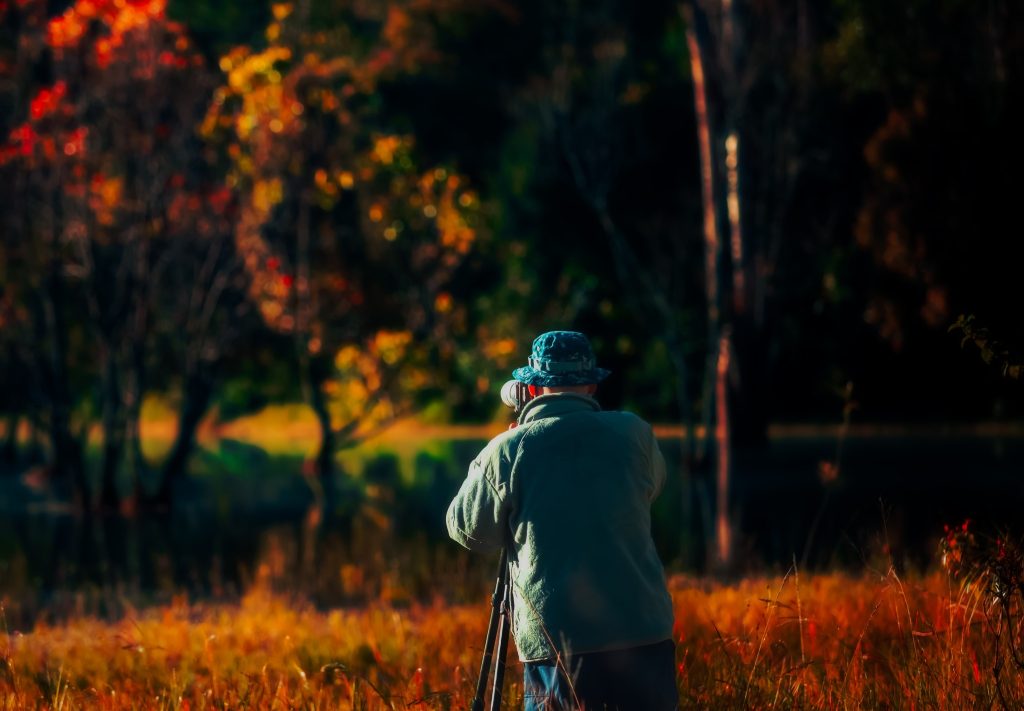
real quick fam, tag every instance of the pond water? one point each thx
(246, 517)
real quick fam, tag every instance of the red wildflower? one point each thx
(417, 683)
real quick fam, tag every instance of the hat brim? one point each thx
(532, 376)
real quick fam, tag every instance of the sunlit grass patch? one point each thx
(827, 641)
(262, 652)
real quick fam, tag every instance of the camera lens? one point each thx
(510, 392)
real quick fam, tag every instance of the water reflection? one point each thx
(384, 538)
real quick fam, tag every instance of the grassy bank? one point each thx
(819, 642)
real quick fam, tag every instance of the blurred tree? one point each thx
(750, 82)
(319, 209)
(597, 86)
(759, 98)
(348, 243)
(39, 156)
(204, 316)
(943, 88)
(129, 209)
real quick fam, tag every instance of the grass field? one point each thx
(819, 642)
(873, 640)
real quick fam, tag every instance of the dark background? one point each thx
(877, 187)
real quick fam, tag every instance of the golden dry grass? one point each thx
(819, 642)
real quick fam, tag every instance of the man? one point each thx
(568, 490)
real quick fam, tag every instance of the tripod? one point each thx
(501, 608)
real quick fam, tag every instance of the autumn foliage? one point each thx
(168, 211)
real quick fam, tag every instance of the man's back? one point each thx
(574, 486)
(567, 492)
(584, 560)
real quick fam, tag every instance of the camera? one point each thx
(515, 394)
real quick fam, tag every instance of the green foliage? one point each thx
(218, 26)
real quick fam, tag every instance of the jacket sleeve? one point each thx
(478, 515)
(658, 474)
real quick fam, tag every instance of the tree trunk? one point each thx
(723, 450)
(35, 454)
(134, 461)
(712, 242)
(134, 389)
(748, 414)
(686, 459)
(748, 392)
(195, 402)
(10, 446)
(113, 429)
(715, 401)
(68, 469)
(325, 455)
(311, 367)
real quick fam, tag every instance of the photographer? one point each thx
(568, 491)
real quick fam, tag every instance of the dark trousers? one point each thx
(641, 678)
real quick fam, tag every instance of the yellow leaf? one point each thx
(384, 148)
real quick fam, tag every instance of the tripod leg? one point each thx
(499, 669)
(492, 629)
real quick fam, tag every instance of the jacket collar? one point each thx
(557, 405)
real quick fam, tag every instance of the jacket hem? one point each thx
(613, 647)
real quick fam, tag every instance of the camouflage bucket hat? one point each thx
(560, 358)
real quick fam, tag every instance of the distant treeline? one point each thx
(759, 212)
